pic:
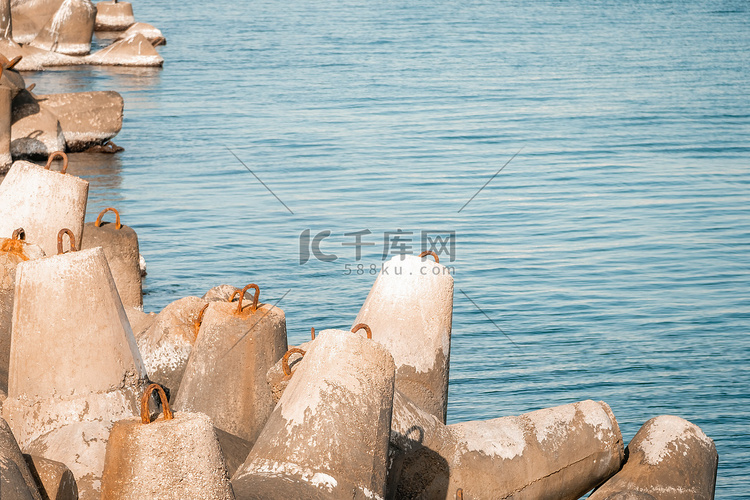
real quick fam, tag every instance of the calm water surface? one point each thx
(610, 258)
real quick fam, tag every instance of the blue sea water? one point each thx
(609, 259)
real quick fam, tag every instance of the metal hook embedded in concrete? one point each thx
(255, 298)
(71, 238)
(285, 360)
(199, 320)
(145, 415)
(234, 294)
(19, 234)
(430, 252)
(12, 62)
(459, 494)
(101, 214)
(362, 326)
(58, 154)
(312, 332)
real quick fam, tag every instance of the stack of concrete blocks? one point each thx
(225, 376)
(350, 414)
(59, 33)
(75, 369)
(34, 126)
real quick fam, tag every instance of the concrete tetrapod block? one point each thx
(120, 244)
(328, 436)
(410, 312)
(6, 114)
(54, 479)
(165, 346)
(6, 20)
(16, 480)
(175, 457)
(69, 30)
(668, 459)
(135, 50)
(151, 33)
(555, 453)
(82, 447)
(78, 360)
(42, 202)
(225, 376)
(114, 16)
(12, 252)
(29, 17)
(86, 118)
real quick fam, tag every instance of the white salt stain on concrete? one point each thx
(550, 420)
(667, 434)
(596, 416)
(321, 480)
(421, 292)
(500, 437)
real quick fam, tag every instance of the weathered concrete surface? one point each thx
(556, 453)
(6, 20)
(135, 50)
(151, 33)
(172, 459)
(12, 252)
(42, 202)
(69, 30)
(79, 361)
(165, 346)
(6, 114)
(225, 376)
(82, 447)
(222, 293)
(30, 16)
(86, 118)
(114, 16)
(121, 249)
(35, 59)
(53, 353)
(139, 320)
(328, 435)
(668, 459)
(16, 480)
(54, 479)
(410, 312)
(35, 131)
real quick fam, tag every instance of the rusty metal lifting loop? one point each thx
(234, 294)
(362, 326)
(12, 62)
(312, 332)
(58, 154)
(459, 494)
(255, 298)
(145, 415)
(285, 360)
(101, 214)
(19, 234)
(199, 320)
(430, 252)
(71, 239)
